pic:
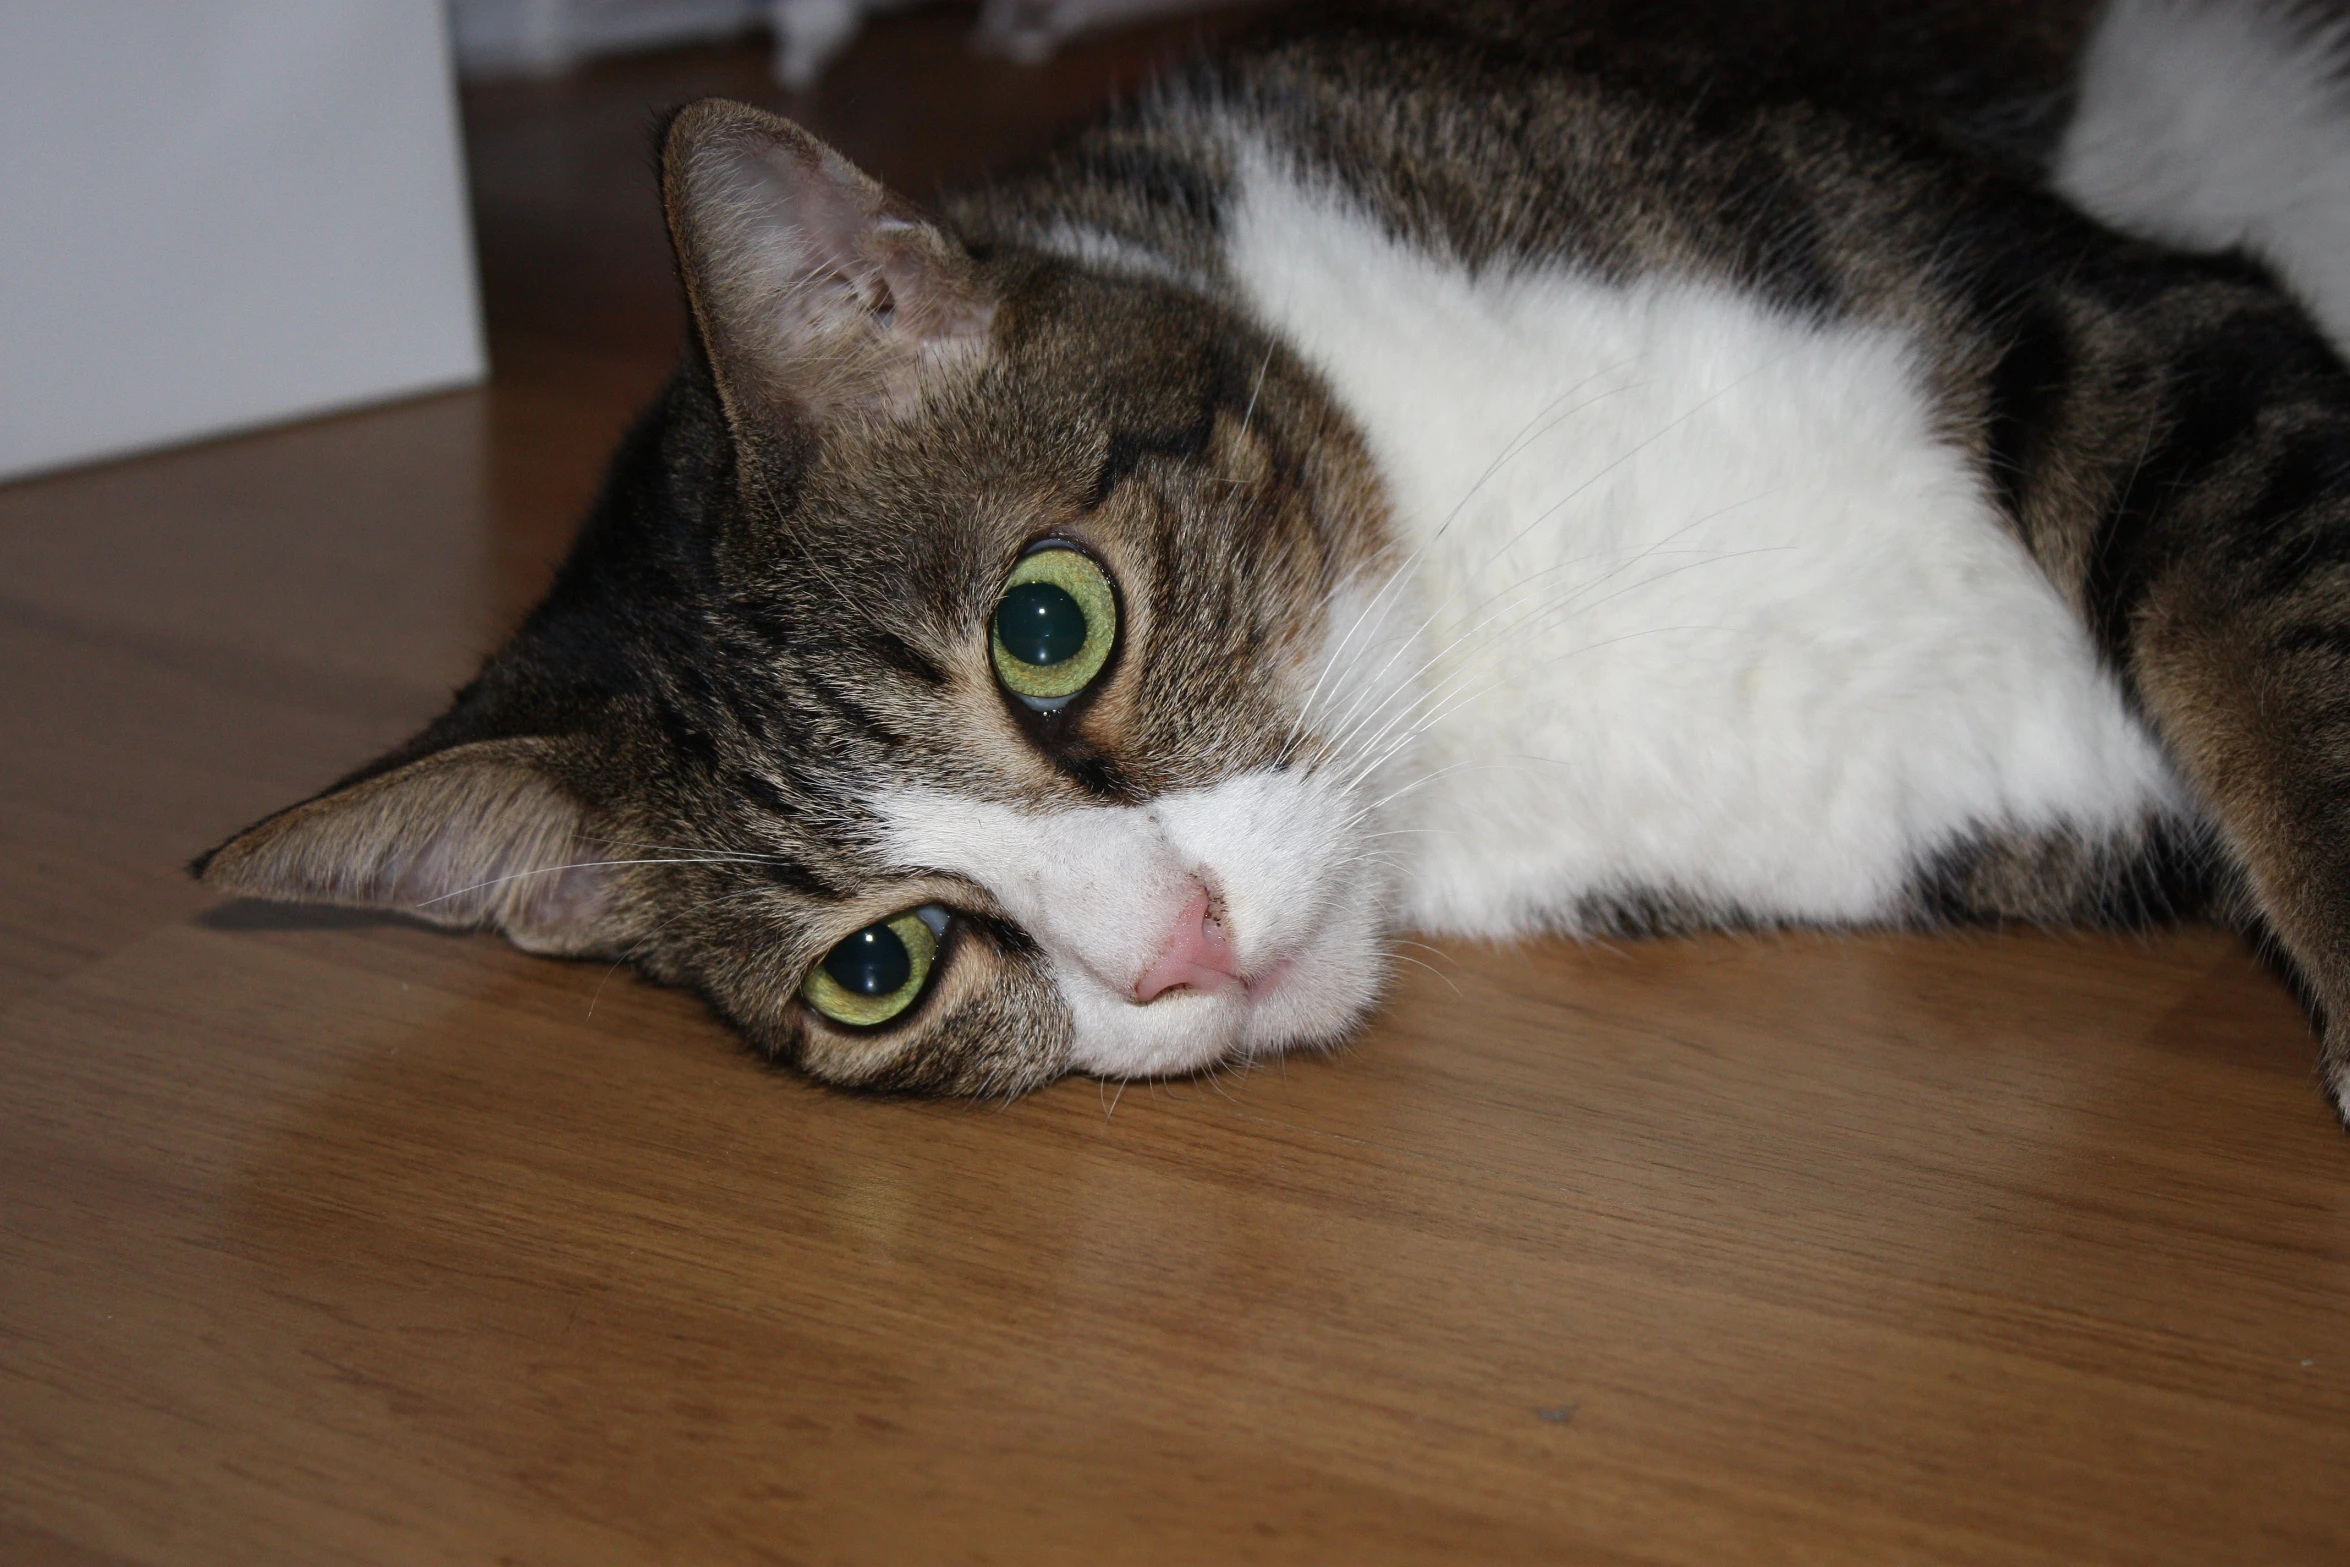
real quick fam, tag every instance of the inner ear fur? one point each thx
(479, 834)
(817, 293)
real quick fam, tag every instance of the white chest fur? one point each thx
(1710, 608)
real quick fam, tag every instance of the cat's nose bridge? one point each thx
(1263, 844)
(1112, 895)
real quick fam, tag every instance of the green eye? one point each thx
(879, 972)
(1054, 627)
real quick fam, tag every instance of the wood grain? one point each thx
(328, 1239)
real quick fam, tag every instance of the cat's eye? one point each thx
(878, 972)
(1054, 626)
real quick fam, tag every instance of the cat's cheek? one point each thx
(1362, 682)
(1325, 990)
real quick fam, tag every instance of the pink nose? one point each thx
(1198, 955)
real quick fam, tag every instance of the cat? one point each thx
(1482, 469)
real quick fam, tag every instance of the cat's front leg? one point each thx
(2243, 661)
(2219, 578)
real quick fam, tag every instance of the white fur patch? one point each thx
(1712, 609)
(2210, 125)
(1099, 888)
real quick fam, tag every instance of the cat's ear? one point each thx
(478, 834)
(817, 292)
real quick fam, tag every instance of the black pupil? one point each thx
(1039, 623)
(873, 962)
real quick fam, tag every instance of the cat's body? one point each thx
(1720, 626)
(1545, 470)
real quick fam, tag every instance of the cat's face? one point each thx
(979, 670)
(1013, 685)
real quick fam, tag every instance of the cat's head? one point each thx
(975, 669)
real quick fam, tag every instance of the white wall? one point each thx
(216, 214)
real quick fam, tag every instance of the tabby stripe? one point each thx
(2026, 393)
(2219, 392)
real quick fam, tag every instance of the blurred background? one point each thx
(228, 215)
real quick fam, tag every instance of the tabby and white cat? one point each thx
(1483, 469)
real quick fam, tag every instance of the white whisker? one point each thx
(589, 865)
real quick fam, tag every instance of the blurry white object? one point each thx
(1030, 30)
(223, 215)
(542, 37)
(810, 34)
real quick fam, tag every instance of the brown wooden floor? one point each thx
(328, 1240)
